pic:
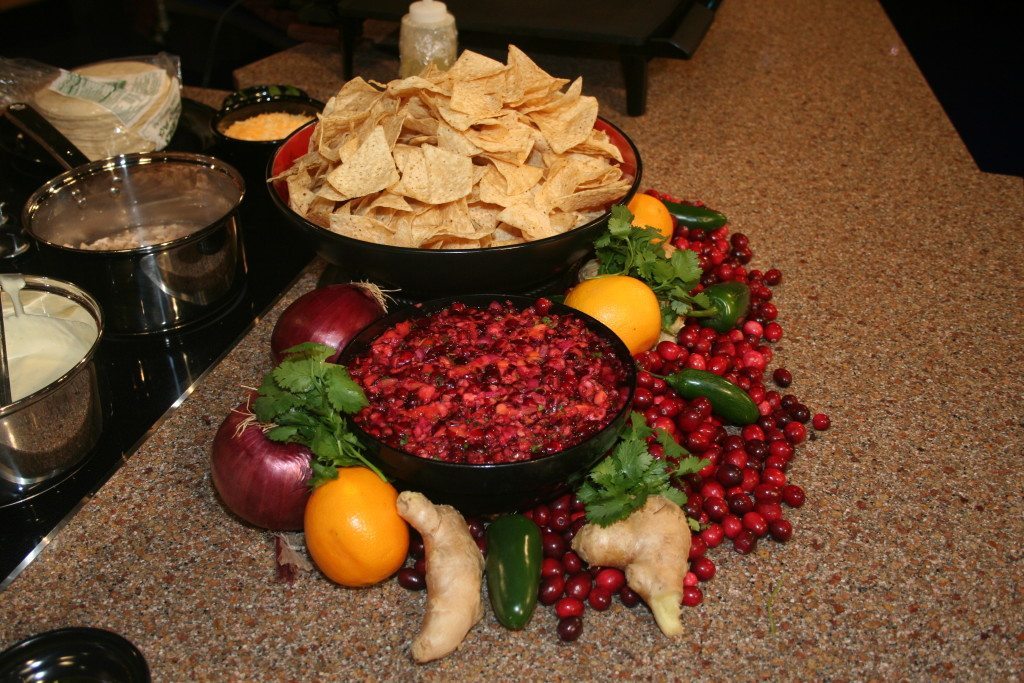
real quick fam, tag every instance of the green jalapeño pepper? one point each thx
(729, 303)
(696, 216)
(514, 556)
(728, 401)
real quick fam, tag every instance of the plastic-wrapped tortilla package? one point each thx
(107, 108)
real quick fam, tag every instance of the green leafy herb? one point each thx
(306, 399)
(627, 250)
(622, 482)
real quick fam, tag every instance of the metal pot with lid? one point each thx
(153, 236)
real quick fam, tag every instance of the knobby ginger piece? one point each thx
(652, 545)
(455, 569)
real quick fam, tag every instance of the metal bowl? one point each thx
(159, 286)
(426, 273)
(50, 430)
(489, 488)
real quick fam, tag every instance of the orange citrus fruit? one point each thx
(625, 304)
(649, 211)
(353, 531)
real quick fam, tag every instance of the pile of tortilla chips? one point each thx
(484, 154)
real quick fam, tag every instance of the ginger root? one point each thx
(652, 545)
(455, 569)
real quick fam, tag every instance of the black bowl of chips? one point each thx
(442, 267)
(487, 472)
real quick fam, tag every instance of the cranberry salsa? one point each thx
(489, 385)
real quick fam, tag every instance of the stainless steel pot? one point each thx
(50, 430)
(156, 287)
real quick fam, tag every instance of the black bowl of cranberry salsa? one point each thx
(490, 402)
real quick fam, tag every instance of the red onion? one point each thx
(264, 482)
(330, 315)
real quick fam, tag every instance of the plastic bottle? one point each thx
(428, 36)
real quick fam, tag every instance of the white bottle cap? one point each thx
(428, 12)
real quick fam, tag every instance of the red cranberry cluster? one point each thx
(741, 493)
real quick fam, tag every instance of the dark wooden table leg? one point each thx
(634, 71)
(351, 29)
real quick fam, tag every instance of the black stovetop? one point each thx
(143, 377)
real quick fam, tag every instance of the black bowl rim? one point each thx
(126, 651)
(392, 249)
(241, 110)
(368, 335)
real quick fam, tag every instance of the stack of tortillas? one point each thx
(113, 108)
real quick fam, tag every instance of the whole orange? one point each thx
(650, 211)
(625, 304)
(353, 531)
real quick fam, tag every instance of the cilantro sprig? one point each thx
(305, 400)
(638, 252)
(622, 482)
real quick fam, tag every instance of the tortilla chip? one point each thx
(435, 176)
(370, 168)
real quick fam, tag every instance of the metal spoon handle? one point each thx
(5, 377)
(33, 124)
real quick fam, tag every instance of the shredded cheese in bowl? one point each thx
(266, 127)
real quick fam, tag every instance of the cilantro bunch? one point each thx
(305, 400)
(622, 482)
(639, 252)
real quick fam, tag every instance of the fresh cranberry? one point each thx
(752, 433)
(793, 495)
(740, 504)
(704, 568)
(713, 535)
(690, 579)
(780, 449)
(731, 526)
(753, 521)
(669, 351)
(770, 511)
(745, 542)
(610, 579)
(821, 422)
(569, 607)
(782, 377)
(750, 479)
(416, 549)
(550, 566)
(692, 596)
(773, 332)
(795, 432)
(629, 597)
(570, 629)
(572, 562)
(766, 493)
(560, 520)
(781, 530)
(729, 475)
(697, 547)
(551, 589)
(716, 507)
(737, 458)
(578, 586)
(410, 579)
(541, 515)
(599, 599)
(773, 477)
(554, 545)
(712, 489)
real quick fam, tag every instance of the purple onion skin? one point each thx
(264, 482)
(330, 315)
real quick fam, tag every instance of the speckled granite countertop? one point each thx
(810, 125)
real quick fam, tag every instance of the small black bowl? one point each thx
(74, 654)
(478, 489)
(428, 273)
(250, 156)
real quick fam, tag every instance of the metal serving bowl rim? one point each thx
(75, 293)
(68, 179)
(344, 239)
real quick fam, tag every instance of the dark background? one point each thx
(968, 51)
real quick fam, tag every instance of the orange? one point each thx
(649, 211)
(625, 304)
(353, 531)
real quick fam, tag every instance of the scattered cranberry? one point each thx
(629, 597)
(745, 542)
(773, 332)
(781, 530)
(600, 599)
(821, 422)
(703, 568)
(782, 377)
(692, 596)
(551, 590)
(569, 607)
(793, 495)
(578, 586)
(610, 579)
(570, 628)
(411, 579)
